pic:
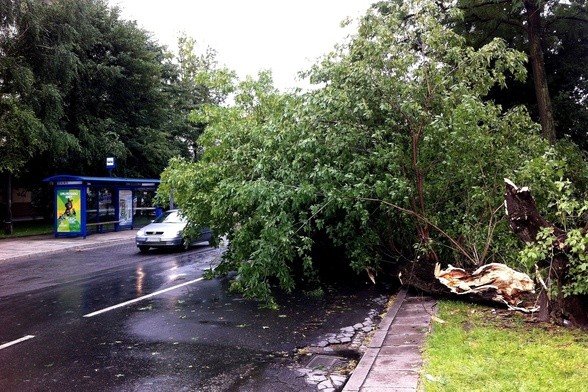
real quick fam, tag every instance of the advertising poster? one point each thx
(68, 208)
(125, 207)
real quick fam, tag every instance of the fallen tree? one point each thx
(378, 172)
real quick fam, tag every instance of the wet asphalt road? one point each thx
(197, 337)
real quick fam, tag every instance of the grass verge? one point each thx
(28, 228)
(478, 348)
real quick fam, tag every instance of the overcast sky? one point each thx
(285, 36)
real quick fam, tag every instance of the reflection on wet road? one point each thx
(193, 335)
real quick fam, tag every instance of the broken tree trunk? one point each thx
(493, 282)
(523, 217)
(499, 283)
(526, 222)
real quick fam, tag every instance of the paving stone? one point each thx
(384, 378)
(403, 329)
(420, 319)
(404, 351)
(314, 378)
(388, 389)
(396, 362)
(416, 339)
(410, 300)
(417, 309)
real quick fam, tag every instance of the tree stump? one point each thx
(526, 222)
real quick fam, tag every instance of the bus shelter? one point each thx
(85, 205)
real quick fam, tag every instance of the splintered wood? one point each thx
(495, 282)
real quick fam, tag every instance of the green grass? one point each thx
(28, 228)
(479, 349)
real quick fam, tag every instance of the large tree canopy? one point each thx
(23, 133)
(395, 159)
(78, 84)
(104, 77)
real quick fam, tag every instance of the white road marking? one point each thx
(141, 298)
(3, 346)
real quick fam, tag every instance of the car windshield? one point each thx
(170, 217)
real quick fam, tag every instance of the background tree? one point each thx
(23, 133)
(104, 76)
(186, 88)
(20, 129)
(79, 84)
(554, 34)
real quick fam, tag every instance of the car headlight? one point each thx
(141, 233)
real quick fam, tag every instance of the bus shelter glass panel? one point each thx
(143, 209)
(91, 205)
(100, 208)
(106, 206)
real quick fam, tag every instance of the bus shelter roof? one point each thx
(67, 179)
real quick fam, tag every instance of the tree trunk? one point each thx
(538, 65)
(523, 217)
(8, 228)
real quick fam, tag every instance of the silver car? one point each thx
(166, 231)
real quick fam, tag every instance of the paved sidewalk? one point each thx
(392, 361)
(35, 245)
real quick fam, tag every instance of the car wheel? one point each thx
(143, 249)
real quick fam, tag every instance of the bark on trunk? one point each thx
(538, 66)
(523, 217)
